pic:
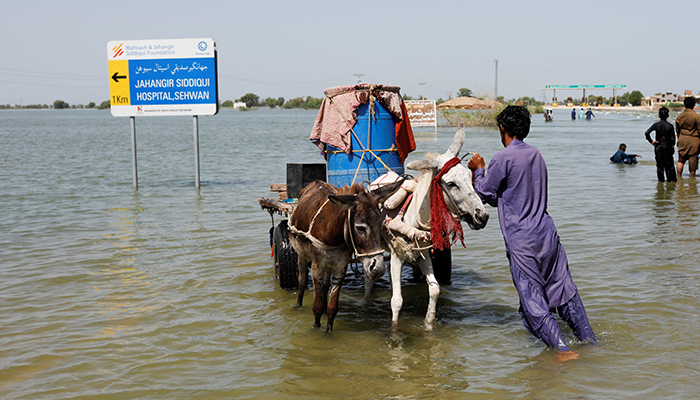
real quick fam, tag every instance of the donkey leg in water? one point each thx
(426, 267)
(336, 283)
(396, 298)
(322, 282)
(303, 267)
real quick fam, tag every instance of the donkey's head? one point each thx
(365, 225)
(456, 183)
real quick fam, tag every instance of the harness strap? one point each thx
(321, 245)
(405, 205)
(315, 241)
(353, 243)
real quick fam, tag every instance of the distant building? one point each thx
(658, 100)
(239, 104)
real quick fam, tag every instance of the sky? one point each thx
(57, 50)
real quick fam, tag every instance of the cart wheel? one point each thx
(286, 267)
(442, 265)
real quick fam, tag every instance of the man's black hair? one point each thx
(663, 113)
(689, 102)
(515, 120)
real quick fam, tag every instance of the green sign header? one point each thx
(585, 86)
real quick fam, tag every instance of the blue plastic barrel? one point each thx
(341, 167)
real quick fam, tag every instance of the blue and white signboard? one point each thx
(162, 77)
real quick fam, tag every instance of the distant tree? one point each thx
(60, 104)
(635, 98)
(623, 99)
(272, 103)
(299, 102)
(104, 105)
(407, 97)
(465, 92)
(293, 103)
(280, 101)
(313, 102)
(91, 104)
(251, 100)
(227, 104)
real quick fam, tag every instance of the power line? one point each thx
(43, 75)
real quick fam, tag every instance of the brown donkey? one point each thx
(327, 227)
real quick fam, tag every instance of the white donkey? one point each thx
(407, 233)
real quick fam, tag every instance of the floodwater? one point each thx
(167, 293)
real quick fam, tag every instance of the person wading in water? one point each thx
(516, 183)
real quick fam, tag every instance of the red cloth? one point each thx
(442, 222)
(405, 143)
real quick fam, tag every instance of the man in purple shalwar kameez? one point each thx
(516, 183)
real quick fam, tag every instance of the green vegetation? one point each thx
(308, 103)
(488, 117)
(470, 118)
(272, 103)
(60, 104)
(27, 106)
(250, 99)
(465, 92)
(675, 106)
(635, 98)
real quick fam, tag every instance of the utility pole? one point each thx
(421, 90)
(495, 86)
(358, 77)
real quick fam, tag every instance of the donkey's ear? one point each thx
(423, 165)
(348, 201)
(384, 192)
(457, 142)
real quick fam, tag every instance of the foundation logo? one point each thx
(202, 46)
(117, 50)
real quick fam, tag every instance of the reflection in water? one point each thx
(399, 357)
(123, 290)
(687, 201)
(664, 210)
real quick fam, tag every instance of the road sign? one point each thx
(421, 112)
(162, 77)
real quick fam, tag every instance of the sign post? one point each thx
(163, 78)
(134, 169)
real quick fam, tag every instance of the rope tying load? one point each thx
(372, 98)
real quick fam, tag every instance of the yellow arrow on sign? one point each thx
(119, 89)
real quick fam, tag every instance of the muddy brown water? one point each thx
(167, 293)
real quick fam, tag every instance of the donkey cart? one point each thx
(364, 133)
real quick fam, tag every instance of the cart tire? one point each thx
(442, 265)
(286, 266)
